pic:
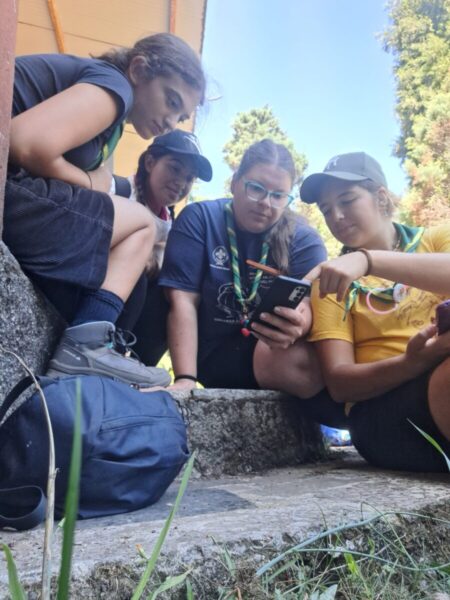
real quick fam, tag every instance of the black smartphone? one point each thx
(443, 317)
(284, 291)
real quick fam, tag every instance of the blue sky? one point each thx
(317, 63)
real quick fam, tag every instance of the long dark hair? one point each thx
(280, 236)
(165, 54)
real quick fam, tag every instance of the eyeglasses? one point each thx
(257, 193)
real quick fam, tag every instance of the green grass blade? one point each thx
(351, 564)
(433, 442)
(71, 507)
(189, 591)
(168, 584)
(15, 587)
(164, 531)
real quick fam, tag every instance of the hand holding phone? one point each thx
(443, 317)
(284, 291)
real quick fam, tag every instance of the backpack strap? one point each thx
(20, 387)
(22, 508)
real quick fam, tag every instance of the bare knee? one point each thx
(141, 242)
(294, 371)
(129, 218)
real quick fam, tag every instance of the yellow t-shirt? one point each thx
(376, 337)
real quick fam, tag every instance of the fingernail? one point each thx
(263, 316)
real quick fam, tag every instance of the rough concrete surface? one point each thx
(252, 516)
(242, 431)
(29, 326)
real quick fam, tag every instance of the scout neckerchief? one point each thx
(108, 147)
(409, 238)
(244, 302)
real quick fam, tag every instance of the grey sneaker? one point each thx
(90, 349)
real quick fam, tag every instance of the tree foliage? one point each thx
(257, 124)
(419, 39)
(252, 126)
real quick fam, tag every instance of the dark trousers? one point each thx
(382, 428)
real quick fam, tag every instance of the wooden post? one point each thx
(8, 26)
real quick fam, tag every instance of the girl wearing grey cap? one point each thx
(385, 365)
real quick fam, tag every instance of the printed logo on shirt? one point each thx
(220, 256)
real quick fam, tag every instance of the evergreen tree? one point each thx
(252, 126)
(419, 39)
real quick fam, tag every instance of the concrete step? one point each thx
(243, 431)
(253, 516)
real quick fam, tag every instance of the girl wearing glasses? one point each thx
(385, 368)
(211, 289)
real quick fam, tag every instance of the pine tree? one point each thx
(257, 124)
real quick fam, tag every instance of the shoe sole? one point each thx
(58, 370)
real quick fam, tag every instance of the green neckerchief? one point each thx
(108, 147)
(235, 262)
(409, 240)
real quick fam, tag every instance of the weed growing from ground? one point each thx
(390, 556)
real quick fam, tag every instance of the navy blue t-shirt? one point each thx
(197, 259)
(38, 77)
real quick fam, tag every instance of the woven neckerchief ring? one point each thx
(244, 302)
(409, 238)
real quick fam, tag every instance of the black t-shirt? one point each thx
(197, 259)
(38, 77)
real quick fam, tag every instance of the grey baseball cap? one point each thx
(353, 166)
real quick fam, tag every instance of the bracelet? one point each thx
(369, 260)
(90, 180)
(191, 377)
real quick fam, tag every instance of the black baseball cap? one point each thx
(184, 142)
(353, 166)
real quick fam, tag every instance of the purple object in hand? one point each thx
(443, 316)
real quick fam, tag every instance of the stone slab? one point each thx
(252, 516)
(242, 431)
(29, 326)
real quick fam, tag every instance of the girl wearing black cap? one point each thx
(166, 173)
(385, 366)
(81, 244)
(212, 290)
